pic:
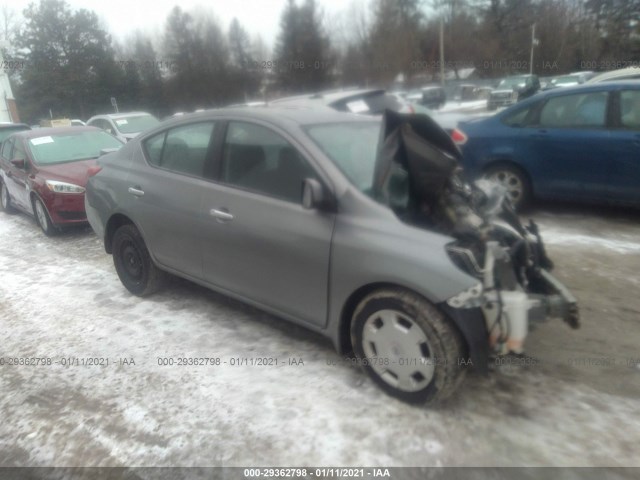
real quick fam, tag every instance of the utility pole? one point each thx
(441, 52)
(534, 42)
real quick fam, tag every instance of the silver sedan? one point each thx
(357, 228)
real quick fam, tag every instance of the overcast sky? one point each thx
(123, 17)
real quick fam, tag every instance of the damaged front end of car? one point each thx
(418, 176)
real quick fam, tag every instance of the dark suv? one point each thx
(512, 89)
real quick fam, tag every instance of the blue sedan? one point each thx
(578, 143)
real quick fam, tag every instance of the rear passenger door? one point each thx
(624, 178)
(259, 242)
(572, 145)
(165, 188)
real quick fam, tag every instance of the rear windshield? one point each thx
(136, 123)
(70, 147)
(352, 147)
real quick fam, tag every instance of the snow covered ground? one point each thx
(60, 299)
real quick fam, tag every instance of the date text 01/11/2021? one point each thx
(325, 472)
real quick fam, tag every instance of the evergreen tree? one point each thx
(68, 62)
(303, 51)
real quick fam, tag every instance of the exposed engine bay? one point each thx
(418, 175)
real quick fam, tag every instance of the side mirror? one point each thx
(18, 163)
(313, 195)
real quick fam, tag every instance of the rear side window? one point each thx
(181, 149)
(630, 109)
(519, 118)
(575, 111)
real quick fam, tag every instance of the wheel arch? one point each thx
(33, 196)
(343, 343)
(115, 221)
(469, 323)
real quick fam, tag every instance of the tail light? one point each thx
(94, 170)
(458, 137)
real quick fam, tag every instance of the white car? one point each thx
(124, 126)
(629, 73)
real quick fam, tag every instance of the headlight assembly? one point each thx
(62, 187)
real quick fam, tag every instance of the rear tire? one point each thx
(5, 199)
(133, 263)
(407, 346)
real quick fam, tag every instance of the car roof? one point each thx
(585, 87)
(277, 115)
(115, 116)
(327, 97)
(48, 131)
(612, 74)
(13, 125)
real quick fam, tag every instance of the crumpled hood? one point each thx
(416, 159)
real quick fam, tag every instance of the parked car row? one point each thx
(355, 226)
(574, 143)
(43, 172)
(513, 89)
(519, 87)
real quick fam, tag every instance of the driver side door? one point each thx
(15, 177)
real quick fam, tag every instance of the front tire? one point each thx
(407, 346)
(515, 181)
(133, 263)
(43, 218)
(5, 199)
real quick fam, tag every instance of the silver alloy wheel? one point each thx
(5, 196)
(512, 182)
(398, 350)
(42, 216)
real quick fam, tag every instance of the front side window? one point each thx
(630, 109)
(19, 152)
(352, 147)
(575, 111)
(257, 159)
(181, 149)
(6, 149)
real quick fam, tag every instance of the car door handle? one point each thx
(221, 215)
(136, 191)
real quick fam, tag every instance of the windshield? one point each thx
(135, 123)
(515, 82)
(5, 132)
(70, 147)
(352, 147)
